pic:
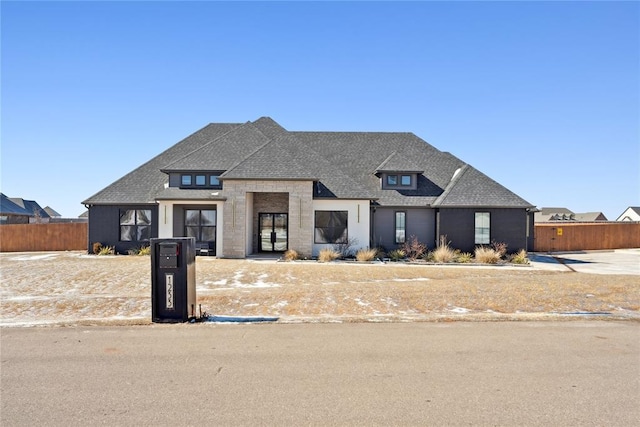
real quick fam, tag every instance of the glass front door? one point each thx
(273, 232)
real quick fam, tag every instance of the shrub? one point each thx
(413, 249)
(397, 255)
(366, 254)
(464, 257)
(107, 250)
(345, 247)
(290, 255)
(486, 255)
(519, 257)
(96, 247)
(443, 253)
(327, 255)
(143, 250)
(500, 248)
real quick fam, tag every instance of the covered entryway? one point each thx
(273, 231)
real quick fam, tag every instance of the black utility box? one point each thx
(173, 279)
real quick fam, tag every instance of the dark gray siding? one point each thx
(104, 226)
(420, 222)
(507, 226)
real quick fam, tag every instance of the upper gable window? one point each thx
(200, 180)
(394, 181)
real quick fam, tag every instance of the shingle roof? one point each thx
(8, 207)
(344, 165)
(143, 183)
(30, 206)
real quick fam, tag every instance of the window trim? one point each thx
(199, 224)
(192, 179)
(135, 225)
(396, 228)
(480, 230)
(316, 228)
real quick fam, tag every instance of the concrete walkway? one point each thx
(619, 261)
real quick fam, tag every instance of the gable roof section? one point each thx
(8, 207)
(143, 183)
(471, 188)
(223, 152)
(30, 206)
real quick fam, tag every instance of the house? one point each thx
(11, 213)
(630, 214)
(255, 187)
(564, 214)
(52, 212)
(15, 210)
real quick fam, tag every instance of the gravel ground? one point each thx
(59, 288)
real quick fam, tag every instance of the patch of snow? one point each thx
(362, 303)
(33, 257)
(460, 310)
(280, 305)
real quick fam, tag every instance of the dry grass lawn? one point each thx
(72, 287)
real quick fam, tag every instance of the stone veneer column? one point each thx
(235, 233)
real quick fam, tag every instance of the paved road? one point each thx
(547, 373)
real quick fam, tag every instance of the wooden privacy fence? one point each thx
(558, 237)
(43, 237)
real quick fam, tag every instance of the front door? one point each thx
(273, 232)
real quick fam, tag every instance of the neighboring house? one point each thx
(51, 212)
(564, 214)
(255, 187)
(630, 214)
(27, 211)
(11, 213)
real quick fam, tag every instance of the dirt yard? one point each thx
(75, 288)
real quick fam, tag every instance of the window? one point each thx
(200, 180)
(135, 225)
(392, 179)
(401, 227)
(405, 180)
(201, 224)
(331, 226)
(483, 228)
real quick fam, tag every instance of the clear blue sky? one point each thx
(544, 97)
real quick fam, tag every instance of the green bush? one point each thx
(397, 255)
(106, 250)
(519, 257)
(464, 257)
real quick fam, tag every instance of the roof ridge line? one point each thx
(452, 183)
(165, 167)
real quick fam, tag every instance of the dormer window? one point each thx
(200, 180)
(399, 181)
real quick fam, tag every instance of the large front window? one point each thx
(331, 227)
(482, 228)
(201, 224)
(135, 225)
